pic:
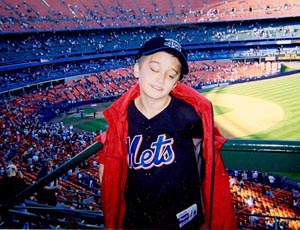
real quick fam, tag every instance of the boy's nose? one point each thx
(161, 78)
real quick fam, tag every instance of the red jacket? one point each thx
(219, 213)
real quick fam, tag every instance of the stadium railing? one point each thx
(262, 155)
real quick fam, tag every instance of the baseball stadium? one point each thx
(64, 62)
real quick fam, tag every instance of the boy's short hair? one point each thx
(169, 45)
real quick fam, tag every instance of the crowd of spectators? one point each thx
(27, 16)
(264, 195)
(36, 51)
(29, 144)
(44, 47)
(213, 73)
(15, 79)
(51, 73)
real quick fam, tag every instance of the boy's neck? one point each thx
(150, 108)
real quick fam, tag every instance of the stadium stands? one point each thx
(43, 47)
(278, 203)
(43, 58)
(41, 65)
(31, 15)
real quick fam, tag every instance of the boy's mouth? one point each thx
(157, 88)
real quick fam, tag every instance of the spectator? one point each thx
(271, 180)
(296, 205)
(295, 193)
(249, 201)
(11, 185)
(232, 181)
(298, 185)
(244, 176)
(263, 190)
(241, 183)
(253, 219)
(255, 176)
(269, 223)
(48, 194)
(269, 192)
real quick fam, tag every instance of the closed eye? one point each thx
(154, 69)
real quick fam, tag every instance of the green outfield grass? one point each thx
(93, 125)
(284, 91)
(76, 118)
(219, 110)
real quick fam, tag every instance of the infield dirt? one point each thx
(249, 115)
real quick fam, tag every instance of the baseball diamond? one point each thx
(249, 115)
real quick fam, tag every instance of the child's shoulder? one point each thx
(182, 109)
(180, 103)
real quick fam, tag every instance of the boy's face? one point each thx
(158, 74)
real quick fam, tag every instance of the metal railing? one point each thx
(262, 155)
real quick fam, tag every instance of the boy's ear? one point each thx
(136, 70)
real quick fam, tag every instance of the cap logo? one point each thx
(172, 44)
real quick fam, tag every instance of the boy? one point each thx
(149, 175)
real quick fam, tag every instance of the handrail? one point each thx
(262, 155)
(74, 161)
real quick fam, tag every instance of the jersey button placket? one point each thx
(148, 127)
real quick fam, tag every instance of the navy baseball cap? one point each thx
(169, 45)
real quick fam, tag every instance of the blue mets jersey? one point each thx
(163, 188)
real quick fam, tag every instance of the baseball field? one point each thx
(266, 109)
